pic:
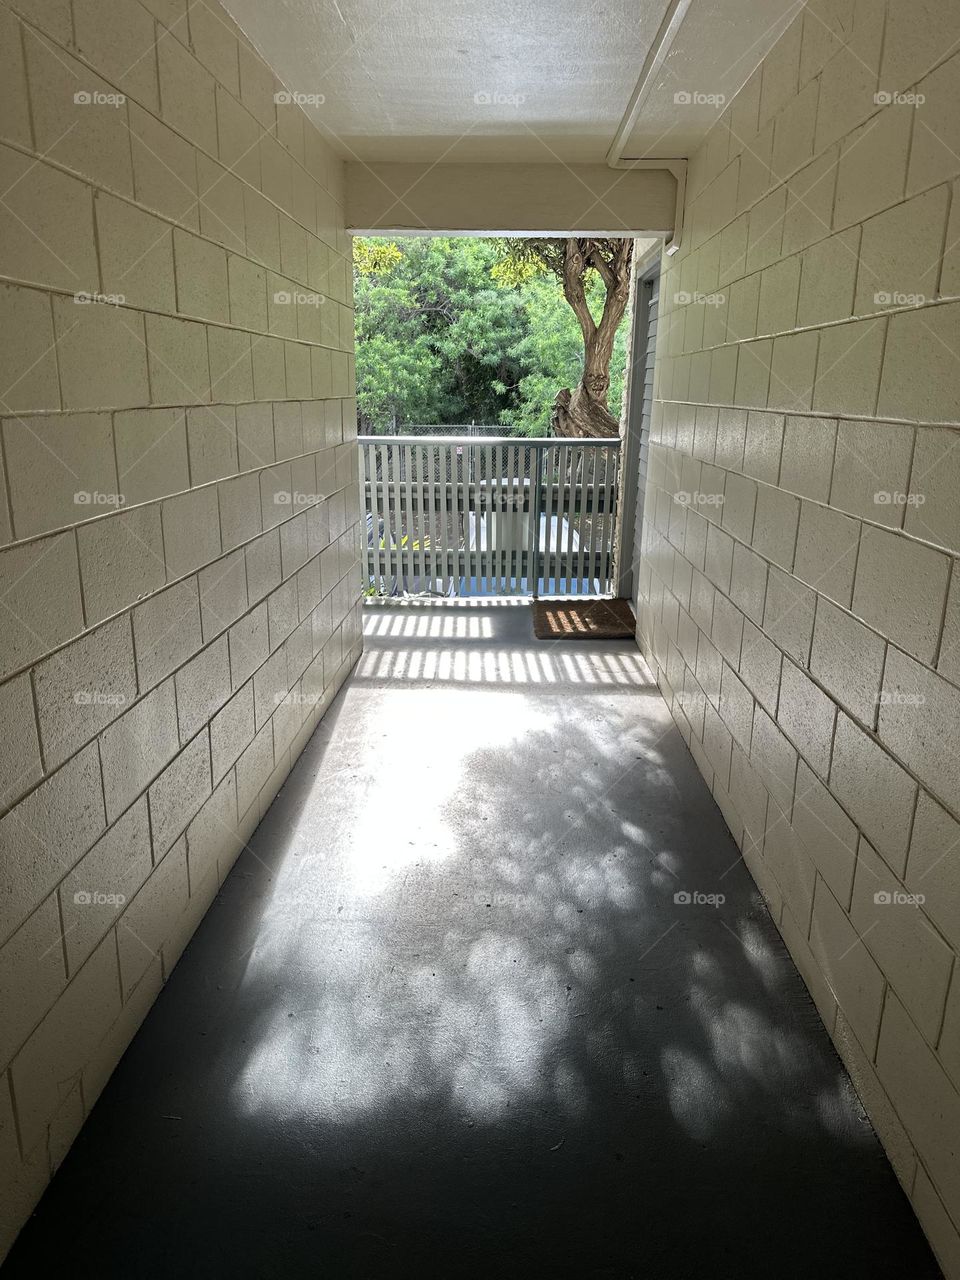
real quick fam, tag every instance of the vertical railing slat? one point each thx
(574, 455)
(578, 505)
(370, 463)
(388, 517)
(567, 497)
(613, 489)
(423, 529)
(563, 451)
(532, 467)
(410, 520)
(366, 506)
(499, 524)
(370, 469)
(441, 492)
(379, 466)
(437, 495)
(423, 533)
(491, 510)
(509, 526)
(465, 504)
(393, 467)
(609, 523)
(547, 515)
(480, 517)
(428, 514)
(553, 501)
(518, 503)
(502, 515)
(447, 466)
(485, 470)
(384, 451)
(401, 518)
(381, 470)
(589, 501)
(433, 521)
(595, 539)
(595, 550)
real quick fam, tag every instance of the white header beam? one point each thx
(509, 199)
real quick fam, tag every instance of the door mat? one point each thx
(583, 620)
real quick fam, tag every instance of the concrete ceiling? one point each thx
(487, 80)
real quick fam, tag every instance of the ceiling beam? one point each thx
(512, 199)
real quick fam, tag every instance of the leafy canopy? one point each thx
(454, 330)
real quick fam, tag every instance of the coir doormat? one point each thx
(583, 620)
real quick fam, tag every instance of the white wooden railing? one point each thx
(454, 515)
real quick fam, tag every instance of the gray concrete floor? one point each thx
(446, 1019)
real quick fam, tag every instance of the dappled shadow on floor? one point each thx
(448, 1018)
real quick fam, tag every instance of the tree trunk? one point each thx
(583, 411)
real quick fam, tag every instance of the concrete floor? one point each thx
(446, 1019)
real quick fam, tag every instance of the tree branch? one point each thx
(596, 260)
(573, 289)
(618, 293)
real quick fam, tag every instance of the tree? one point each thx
(549, 352)
(435, 334)
(457, 330)
(584, 411)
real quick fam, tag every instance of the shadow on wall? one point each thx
(447, 1017)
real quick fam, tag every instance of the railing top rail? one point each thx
(590, 442)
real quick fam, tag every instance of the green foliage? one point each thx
(461, 330)
(522, 257)
(375, 256)
(433, 334)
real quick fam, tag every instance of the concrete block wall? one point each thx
(799, 588)
(178, 516)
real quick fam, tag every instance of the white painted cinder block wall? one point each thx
(802, 618)
(164, 662)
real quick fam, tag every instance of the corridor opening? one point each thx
(526, 502)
